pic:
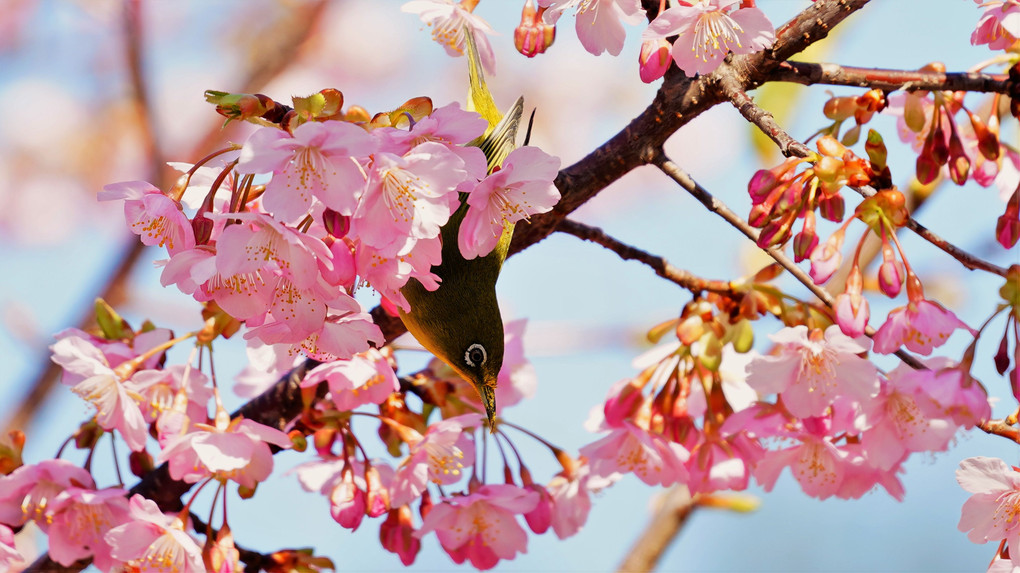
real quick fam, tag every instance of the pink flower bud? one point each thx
(804, 244)
(959, 163)
(832, 208)
(533, 35)
(852, 314)
(890, 278)
(1007, 227)
(336, 224)
(825, 258)
(654, 59)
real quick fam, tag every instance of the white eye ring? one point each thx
(471, 357)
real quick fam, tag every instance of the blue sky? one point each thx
(379, 57)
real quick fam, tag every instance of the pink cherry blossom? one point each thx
(571, 502)
(237, 450)
(707, 30)
(346, 331)
(598, 22)
(481, 527)
(157, 219)
(10, 558)
(921, 326)
(521, 188)
(319, 160)
(449, 20)
(153, 541)
(27, 492)
(813, 368)
(999, 26)
(159, 387)
(397, 535)
(954, 394)
(629, 448)
(990, 514)
(116, 402)
(722, 463)
(817, 465)
(408, 197)
(448, 125)
(347, 501)
(898, 424)
(852, 313)
(190, 270)
(826, 258)
(388, 274)
(733, 378)
(367, 378)
(439, 456)
(79, 520)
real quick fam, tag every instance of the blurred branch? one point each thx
(289, 36)
(660, 265)
(890, 80)
(1001, 428)
(671, 514)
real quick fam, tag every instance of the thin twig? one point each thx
(836, 75)
(719, 208)
(1001, 428)
(660, 265)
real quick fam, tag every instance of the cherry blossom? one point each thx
(320, 160)
(367, 378)
(707, 30)
(388, 274)
(990, 513)
(159, 387)
(157, 219)
(397, 535)
(27, 492)
(521, 188)
(629, 448)
(921, 325)
(10, 558)
(408, 197)
(79, 520)
(232, 449)
(480, 527)
(812, 368)
(449, 20)
(116, 402)
(999, 26)
(439, 456)
(153, 541)
(898, 424)
(599, 23)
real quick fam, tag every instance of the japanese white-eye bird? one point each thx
(460, 321)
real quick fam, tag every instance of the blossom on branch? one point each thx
(599, 23)
(154, 541)
(449, 20)
(707, 30)
(991, 513)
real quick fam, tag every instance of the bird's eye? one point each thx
(475, 355)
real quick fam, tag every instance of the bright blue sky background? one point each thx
(588, 310)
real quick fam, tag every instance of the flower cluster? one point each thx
(706, 30)
(349, 200)
(712, 421)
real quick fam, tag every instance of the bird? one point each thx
(460, 322)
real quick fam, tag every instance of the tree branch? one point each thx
(660, 265)
(671, 514)
(891, 80)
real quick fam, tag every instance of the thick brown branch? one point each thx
(660, 265)
(890, 80)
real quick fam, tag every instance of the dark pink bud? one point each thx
(832, 208)
(1007, 227)
(336, 224)
(1002, 356)
(654, 59)
(203, 228)
(803, 244)
(890, 278)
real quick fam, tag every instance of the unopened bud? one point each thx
(828, 145)
(803, 244)
(533, 35)
(336, 224)
(832, 208)
(1007, 227)
(654, 59)
(140, 463)
(839, 108)
(959, 163)
(203, 228)
(890, 278)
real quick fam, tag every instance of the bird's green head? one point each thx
(478, 360)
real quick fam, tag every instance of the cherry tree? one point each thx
(288, 233)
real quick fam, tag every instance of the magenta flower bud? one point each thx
(761, 184)
(654, 59)
(959, 163)
(852, 314)
(1002, 356)
(336, 224)
(203, 228)
(890, 278)
(804, 244)
(832, 208)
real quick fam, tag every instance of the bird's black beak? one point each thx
(488, 394)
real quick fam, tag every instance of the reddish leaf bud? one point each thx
(927, 169)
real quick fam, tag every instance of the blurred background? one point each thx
(93, 93)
